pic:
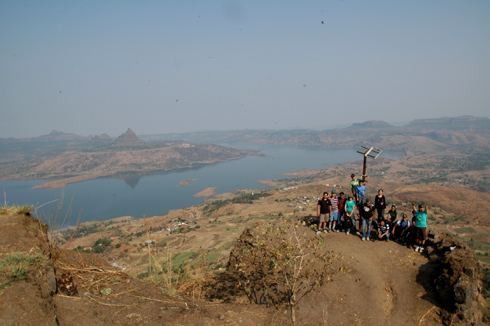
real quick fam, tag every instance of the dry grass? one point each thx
(16, 266)
(88, 277)
(15, 210)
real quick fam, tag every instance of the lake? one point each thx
(155, 194)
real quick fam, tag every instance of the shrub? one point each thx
(273, 263)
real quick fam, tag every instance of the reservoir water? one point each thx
(155, 194)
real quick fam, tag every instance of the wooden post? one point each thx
(364, 165)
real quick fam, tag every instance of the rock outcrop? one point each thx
(456, 282)
(24, 250)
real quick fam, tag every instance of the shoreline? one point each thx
(56, 184)
(206, 192)
(64, 181)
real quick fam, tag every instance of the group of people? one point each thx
(339, 214)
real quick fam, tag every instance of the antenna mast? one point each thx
(373, 153)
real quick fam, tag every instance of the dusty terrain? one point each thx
(372, 283)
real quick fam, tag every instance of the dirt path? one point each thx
(380, 286)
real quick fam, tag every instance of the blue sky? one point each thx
(93, 67)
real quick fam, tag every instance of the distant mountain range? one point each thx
(128, 138)
(418, 136)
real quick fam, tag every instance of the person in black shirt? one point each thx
(367, 213)
(323, 212)
(383, 230)
(380, 204)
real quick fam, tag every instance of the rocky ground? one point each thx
(369, 283)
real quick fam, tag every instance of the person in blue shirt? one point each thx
(420, 226)
(361, 193)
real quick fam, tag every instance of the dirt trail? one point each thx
(378, 287)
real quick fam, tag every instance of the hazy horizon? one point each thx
(94, 67)
(333, 127)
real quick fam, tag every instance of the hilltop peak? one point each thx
(128, 138)
(371, 124)
(56, 135)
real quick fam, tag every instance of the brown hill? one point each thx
(79, 166)
(103, 137)
(61, 287)
(459, 138)
(465, 124)
(371, 124)
(128, 138)
(56, 135)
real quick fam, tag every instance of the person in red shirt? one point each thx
(342, 214)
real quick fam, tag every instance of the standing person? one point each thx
(380, 204)
(367, 212)
(334, 211)
(420, 226)
(383, 230)
(361, 193)
(354, 184)
(350, 215)
(360, 199)
(323, 212)
(342, 218)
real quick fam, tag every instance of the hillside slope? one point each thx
(372, 283)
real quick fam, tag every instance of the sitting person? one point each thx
(383, 230)
(393, 218)
(401, 230)
(411, 233)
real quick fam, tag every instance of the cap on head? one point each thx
(405, 216)
(334, 192)
(421, 206)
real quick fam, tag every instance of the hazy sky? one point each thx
(93, 67)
